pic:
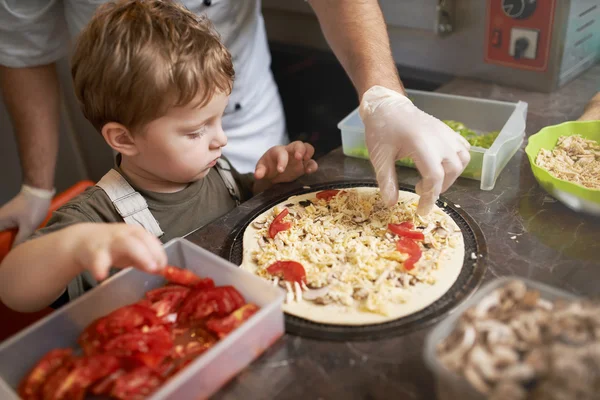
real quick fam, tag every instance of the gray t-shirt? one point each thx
(177, 213)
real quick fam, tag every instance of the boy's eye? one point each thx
(199, 133)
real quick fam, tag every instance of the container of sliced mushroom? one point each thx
(517, 339)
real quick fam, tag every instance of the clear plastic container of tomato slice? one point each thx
(200, 379)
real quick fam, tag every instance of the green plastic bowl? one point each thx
(573, 195)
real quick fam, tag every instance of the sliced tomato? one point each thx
(204, 283)
(200, 304)
(328, 194)
(409, 246)
(150, 346)
(405, 230)
(165, 300)
(223, 326)
(136, 384)
(180, 276)
(290, 271)
(163, 292)
(85, 372)
(31, 387)
(122, 320)
(104, 386)
(277, 225)
(55, 381)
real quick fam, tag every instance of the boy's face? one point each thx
(184, 144)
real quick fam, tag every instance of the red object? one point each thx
(85, 372)
(150, 347)
(16, 321)
(497, 38)
(405, 230)
(410, 247)
(31, 386)
(278, 226)
(166, 300)
(223, 326)
(200, 304)
(500, 23)
(54, 382)
(180, 276)
(136, 384)
(327, 194)
(105, 385)
(290, 271)
(122, 320)
(131, 351)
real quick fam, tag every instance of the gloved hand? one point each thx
(395, 128)
(25, 211)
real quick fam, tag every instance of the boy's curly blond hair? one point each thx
(137, 58)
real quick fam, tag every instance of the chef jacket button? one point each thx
(238, 106)
(207, 2)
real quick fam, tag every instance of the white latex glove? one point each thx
(26, 211)
(395, 128)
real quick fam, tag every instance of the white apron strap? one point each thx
(224, 170)
(129, 204)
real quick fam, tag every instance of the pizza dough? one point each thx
(348, 253)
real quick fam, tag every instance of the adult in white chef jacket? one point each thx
(36, 33)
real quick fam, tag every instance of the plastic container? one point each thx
(198, 380)
(479, 115)
(573, 195)
(450, 385)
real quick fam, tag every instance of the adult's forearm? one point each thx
(592, 110)
(32, 99)
(357, 34)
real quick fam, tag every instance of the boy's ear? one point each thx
(119, 138)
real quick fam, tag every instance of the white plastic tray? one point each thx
(202, 377)
(480, 115)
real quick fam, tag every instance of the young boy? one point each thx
(154, 79)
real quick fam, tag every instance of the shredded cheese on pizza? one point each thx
(349, 255)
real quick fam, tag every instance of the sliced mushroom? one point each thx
(314, 294)
(508, 390)
(476, 380)
(262, 243)
(279, 243)
(484, 362)
(259, 223)
(323, 300)
(518, 373)
(360, 293)
(441, 232)
(360, 219)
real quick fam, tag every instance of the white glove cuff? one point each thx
(37, 192)
(376, 95)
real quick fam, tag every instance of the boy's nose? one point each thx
(220, 139)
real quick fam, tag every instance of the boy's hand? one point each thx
(286, 163)
(118, 245)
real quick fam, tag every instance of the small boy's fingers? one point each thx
(260, 171)
(310, 151)
(298, 149)
(154, 248)
(310, 166)
(133, 252)
(100, 265)
(282, 161)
